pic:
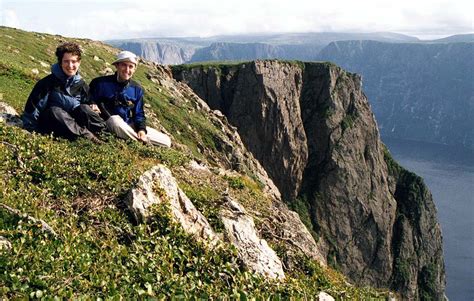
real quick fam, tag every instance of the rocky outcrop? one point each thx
(255, 252)
(9, 115)
(414, 231)
(158, 186)
(323, 296)
(261, 103)
(5, 245)
(163, 52)
(311, 127)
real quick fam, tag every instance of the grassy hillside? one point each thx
(77, 188)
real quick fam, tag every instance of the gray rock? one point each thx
(159, 179)
(9, 115)
(323, 296)
(158, 185)
(43, 64)
(253, 251)
(107, 71)
(262, 103)
(5, 245)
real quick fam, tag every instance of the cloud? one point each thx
(127, 19)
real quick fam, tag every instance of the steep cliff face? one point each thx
(167, 53)
(262, 104)
(311, 127)
(414, 229)
(236, 51)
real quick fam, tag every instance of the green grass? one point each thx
(219, 66)
(76, 187)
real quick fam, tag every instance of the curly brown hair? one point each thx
(68, 47)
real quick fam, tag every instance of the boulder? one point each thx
(157, 185)
(4, 244)
(9, 115)
(323, 296)
(253, 251)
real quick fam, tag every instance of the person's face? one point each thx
(70, 64)
(125, 70)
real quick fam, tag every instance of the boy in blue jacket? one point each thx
(58, 103)
(120, 100)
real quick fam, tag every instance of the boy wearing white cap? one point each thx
(120, 100)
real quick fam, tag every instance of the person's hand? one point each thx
(95, 108)
(142, 136)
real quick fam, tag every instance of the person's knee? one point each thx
(57, 113)
(115, 120)
(87, 109)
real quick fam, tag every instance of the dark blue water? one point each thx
(449, 174)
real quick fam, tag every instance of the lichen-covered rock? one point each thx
(158, 185)
(5, 245)
(277, 224)
(288, 227)
(323, 296)
(9, 115)
(253, 251)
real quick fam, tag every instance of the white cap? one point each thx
(126, 56)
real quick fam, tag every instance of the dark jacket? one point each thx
(123, 99)
(57, 90)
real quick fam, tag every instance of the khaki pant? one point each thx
(115, 124)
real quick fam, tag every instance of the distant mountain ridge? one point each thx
(418, 91)
(296, 46)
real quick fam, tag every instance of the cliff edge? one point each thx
(311, 127)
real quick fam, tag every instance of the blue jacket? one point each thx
(123, 99)
(57, 90)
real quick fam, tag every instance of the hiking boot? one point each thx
(96, 140)
(93, 138)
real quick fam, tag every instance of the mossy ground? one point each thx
(77, 187)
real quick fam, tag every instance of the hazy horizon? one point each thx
(127, 19)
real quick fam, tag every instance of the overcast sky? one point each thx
(109, 19)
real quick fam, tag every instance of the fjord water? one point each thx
(449, 174)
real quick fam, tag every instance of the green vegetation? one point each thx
(411, 194)
(235, 182)
(427, 282)
(301, 206)
(206, 199)
(348, 122)
(393, 167)
(401, 275)
(226, 66)
(77, 188)
(219, 67)
(326, 111)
